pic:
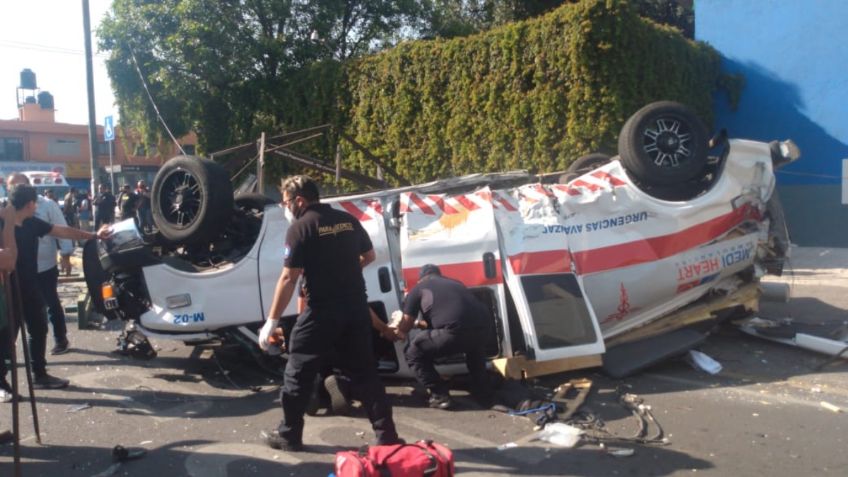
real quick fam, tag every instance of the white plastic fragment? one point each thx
(560, 434)
(701, 361)
(830, 407)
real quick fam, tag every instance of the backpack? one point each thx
(421, 459)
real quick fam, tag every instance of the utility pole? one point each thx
(92, 122)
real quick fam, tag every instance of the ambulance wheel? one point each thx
(588, 163)
(663, 144)
(191, 200)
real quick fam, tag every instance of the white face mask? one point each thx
(287, 213)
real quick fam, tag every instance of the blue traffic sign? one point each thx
(108, 129)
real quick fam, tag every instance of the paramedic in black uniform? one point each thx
(456, 322)
(329, 247)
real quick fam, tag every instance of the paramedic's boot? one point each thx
(440, 401)
(337, 388)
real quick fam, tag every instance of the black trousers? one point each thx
(100, 219)
(427, 345)
(36, 323)
(318, 332)
(47, 283)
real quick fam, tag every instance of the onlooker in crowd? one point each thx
(8, 257)
(456, 322)
(104, 207)
(84, 210)
(145, 217)
(50, 195)
(70, 208)
(329, 247)
(129, 207)
(29, 229)
(123, 196)
(48, 273)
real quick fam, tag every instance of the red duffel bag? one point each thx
(421, 459)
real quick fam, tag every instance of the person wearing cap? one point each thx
(329, 248)
(456, 322)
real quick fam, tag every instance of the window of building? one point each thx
(11, 149)
(103, 149)
(63, 147)
(189, 149)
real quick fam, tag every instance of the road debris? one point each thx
(79, 407)
(702, 362)
(831, 407)
(122, 454)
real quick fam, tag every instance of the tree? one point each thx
(221, 67)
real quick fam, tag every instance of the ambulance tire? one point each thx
(663, 144)
(588, 163)
(191, 200)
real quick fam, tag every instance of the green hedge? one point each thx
(532, 95)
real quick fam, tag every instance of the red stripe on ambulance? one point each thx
(656, 248)
(421, 204)
(471, 274)
(548, 261)
(355, 211)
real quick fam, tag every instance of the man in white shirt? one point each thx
(48, 271)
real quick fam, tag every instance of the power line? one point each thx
(22, 45)
(155, 108)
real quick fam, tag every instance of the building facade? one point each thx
(792, 54)
(35, 141)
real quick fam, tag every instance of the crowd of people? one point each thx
(128, 204)
(326, 249)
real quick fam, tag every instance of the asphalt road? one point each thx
(199, 413)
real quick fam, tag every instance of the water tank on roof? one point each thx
(28, 79)
(45, 100)
(30, 100)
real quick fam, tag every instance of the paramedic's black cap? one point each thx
(429, 269)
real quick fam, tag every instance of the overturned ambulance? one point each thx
(565, 263)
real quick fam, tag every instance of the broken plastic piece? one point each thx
(79, 407)
(619, 451)
(830, 407)
(701, 361)
(560, 434)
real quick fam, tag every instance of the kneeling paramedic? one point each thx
(457, 322)
(329, 247)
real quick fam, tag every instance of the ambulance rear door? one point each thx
(556, 317)
(457, 233)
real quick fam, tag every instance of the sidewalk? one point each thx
(814, 266)
(818, 281)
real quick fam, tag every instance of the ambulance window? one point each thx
(559, 311)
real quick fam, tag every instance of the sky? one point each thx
(47, 37)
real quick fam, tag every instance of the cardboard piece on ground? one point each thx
(520, 367)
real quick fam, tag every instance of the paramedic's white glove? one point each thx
(266, 332)
(394, 321)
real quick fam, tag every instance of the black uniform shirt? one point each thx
(326, 243)
(26, 238)
(445, 304)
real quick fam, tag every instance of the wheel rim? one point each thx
(180, 198)
(666, 142)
